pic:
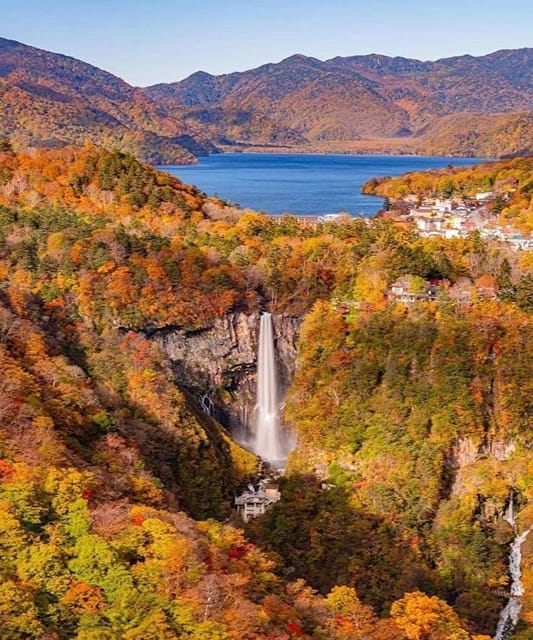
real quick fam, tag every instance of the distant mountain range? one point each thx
(446, 106)
(463, 105)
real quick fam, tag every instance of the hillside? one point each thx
(488, 135)
(305, 101)
(113, 484)
(418, 467)
(360, 104)
(48, 99)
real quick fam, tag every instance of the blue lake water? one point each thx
(301, 183)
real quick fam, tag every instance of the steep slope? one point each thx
(48, 99)
(104, 458)
(428, 430)
(304, 100)
(488, 135)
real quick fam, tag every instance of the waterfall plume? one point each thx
(269, 441)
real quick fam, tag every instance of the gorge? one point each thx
(250, 341)
(130, 310)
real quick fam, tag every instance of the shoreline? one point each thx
(295, 151)
(370, 146)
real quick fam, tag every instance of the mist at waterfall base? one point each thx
(267, 436)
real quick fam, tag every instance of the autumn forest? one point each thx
(412, 420)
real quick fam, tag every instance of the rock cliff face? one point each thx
(465, 451)
(218, 365)
(463, 462)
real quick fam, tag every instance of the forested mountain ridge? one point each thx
(302, 100)
(361, 104)
(48, 99)
(102, 454)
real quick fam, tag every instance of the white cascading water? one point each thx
(509, 615)
(508, 516)
(268, 442)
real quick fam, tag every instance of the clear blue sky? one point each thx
(146, 42)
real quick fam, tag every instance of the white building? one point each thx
(443, 205)
(254, 502)
(429, 224)
(332, 217)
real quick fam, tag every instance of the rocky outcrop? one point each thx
(463, 466)
(465, 451)
(217, 365)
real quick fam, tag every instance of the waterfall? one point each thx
(509, 615)
(269, 442)
(509, 513)
(207, 405)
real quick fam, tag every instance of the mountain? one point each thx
(463, 105)
(48, 99)
(305, 101)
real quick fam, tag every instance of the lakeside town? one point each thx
(442, 217)
(458, 217)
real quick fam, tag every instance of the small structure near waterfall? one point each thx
(254, 502)
(207, 405)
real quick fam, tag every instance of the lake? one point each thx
(302, 184)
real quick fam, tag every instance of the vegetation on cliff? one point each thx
(104, 460)
(420, 417)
